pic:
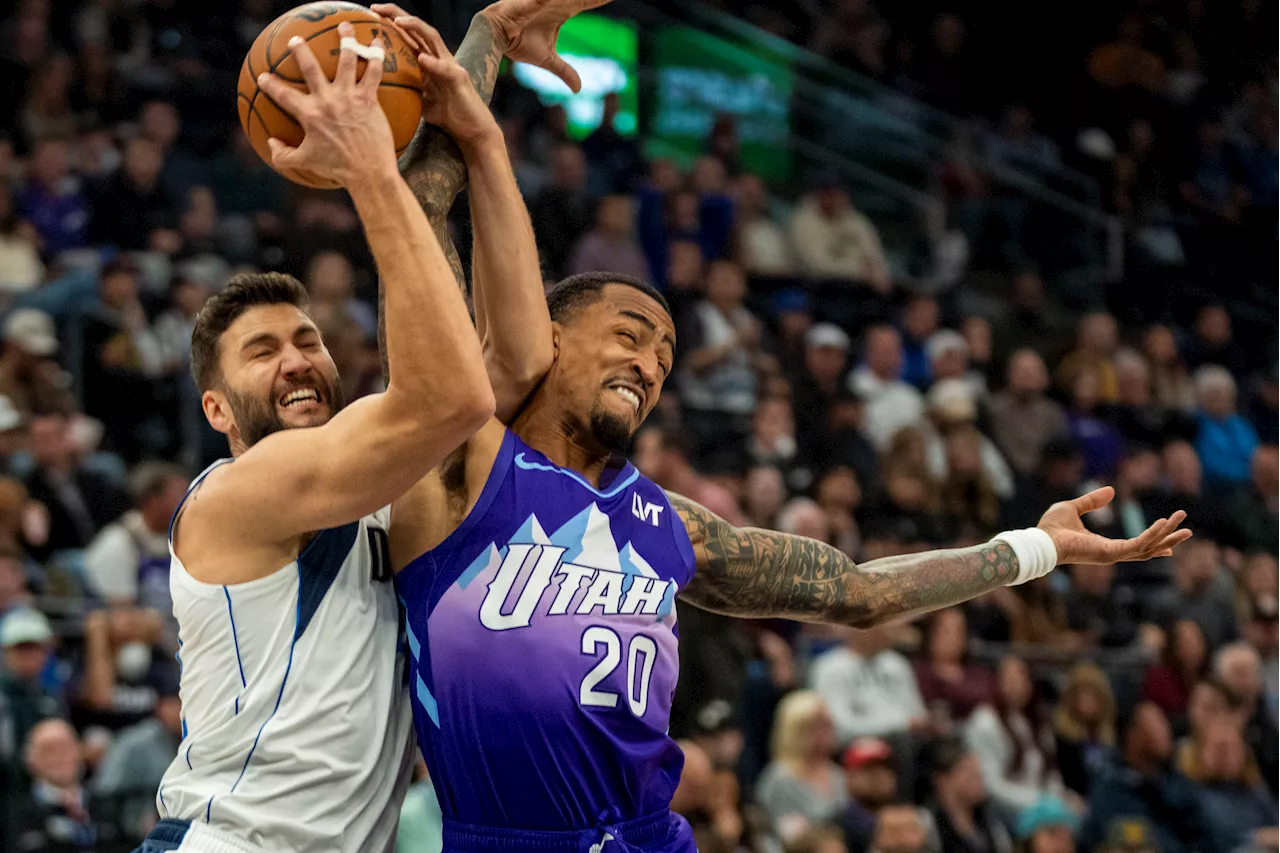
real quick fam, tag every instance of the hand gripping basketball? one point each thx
(347, 134)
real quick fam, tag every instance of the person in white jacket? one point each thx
(869, 688)
(1015, 753)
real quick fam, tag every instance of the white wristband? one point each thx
(1036, 553)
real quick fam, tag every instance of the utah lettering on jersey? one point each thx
(576, 571)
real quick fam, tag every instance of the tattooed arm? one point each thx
(744, 571)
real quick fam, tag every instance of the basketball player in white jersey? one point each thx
(296, 730)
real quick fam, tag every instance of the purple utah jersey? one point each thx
(543, 641)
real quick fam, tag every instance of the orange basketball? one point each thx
(400, 92)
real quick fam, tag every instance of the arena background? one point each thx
(935, 265)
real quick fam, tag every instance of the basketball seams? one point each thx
(253, 113)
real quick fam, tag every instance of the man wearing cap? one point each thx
(1048, 827)
(795, 319)
(951, 405)
(29, 377)
(948, 354)
(27, 641)
(872, 785)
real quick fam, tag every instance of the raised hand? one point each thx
(1075, 544)
(528, 29)
(449, 100)
(347, 134)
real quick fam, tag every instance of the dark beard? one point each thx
(256, 419)
(613, 433)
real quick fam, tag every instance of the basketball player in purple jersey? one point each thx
(539, 569)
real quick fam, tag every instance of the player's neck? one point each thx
(560, 442)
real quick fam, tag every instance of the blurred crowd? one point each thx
(827, 384)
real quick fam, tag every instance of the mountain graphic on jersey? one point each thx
(577, 570)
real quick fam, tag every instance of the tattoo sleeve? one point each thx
(433, 167)
(752, 572)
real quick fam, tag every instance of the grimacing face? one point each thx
(613, 355)
(276, 375)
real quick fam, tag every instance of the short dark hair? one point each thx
(578, 291)
(244, 291)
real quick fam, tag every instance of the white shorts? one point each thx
(189, 837)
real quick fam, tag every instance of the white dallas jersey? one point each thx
(297, 728)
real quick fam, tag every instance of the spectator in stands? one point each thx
(951, 685)
(172, 329)
(1101, 443)
(123, 673)
(1142, 786)
(563, 211)
(954, 409)
(47, 112)
(1168, 684)
(122, 361)
(1239, 810)
(27, 642)
(331, 284)
(1240, 670)
(826, 356)
(773, 434)
(1023, 419)
(612, 244)
(762, 244)
(900, 828)
(1048, 827)
(160, 122)
(763, 494)
(1183, 490)
(948, 354)
(794, 316)
(79, 501)
(1136, 415)
(1226, 440)
(615, 159)
(1264, 407)
(137, 759)
(919, 323)
(889, 403)
(29, 376)
(663, 456)
(1104, 614)
(57, 816)
(20, 266)
(869, 688)
(970, 502)
(840, 496)
(1215, 343)
(872, 784)
(802, 786)
(1198, 595)
(1170, 380)
(1212, 703)
(13, 582)
(1257, 512)
(977, 334)
(1013, 745)
(1096, 342)
(966, 823)
(720, 337)
(832, 240)
(133, 209)
(127, 563)
(1084, 727)
(1018, 143)
(52, 201)
(946, 69)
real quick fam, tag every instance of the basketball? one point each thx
(400, 92)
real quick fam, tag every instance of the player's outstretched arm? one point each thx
(762, 573)
(301, 480)
(526, 31)
(510, 307)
